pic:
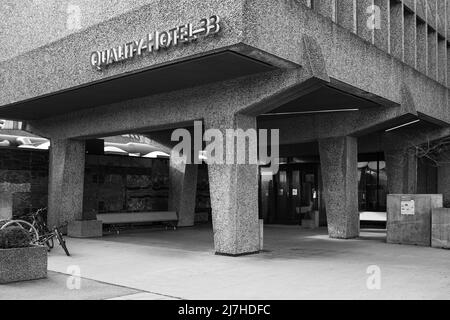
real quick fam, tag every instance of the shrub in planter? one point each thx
(14, 237)
(19, 259)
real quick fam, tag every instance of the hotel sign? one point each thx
(156, 41)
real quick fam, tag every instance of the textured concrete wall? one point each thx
(29, 24)
(339, 160)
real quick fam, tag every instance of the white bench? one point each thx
(168, 217)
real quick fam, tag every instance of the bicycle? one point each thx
(41, 234)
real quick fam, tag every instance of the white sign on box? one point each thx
(408, 207)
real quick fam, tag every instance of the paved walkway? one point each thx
(55, 288)
(296, 264)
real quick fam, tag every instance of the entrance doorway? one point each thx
(291, 195)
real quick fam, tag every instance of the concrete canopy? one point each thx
(198, 71)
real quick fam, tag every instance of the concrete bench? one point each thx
(168, 217)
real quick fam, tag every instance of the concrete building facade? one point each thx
(338, 78)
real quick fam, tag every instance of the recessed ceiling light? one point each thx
(403, 125)
(309, 112)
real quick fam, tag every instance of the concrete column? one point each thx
(339, 164)
(66, 181)
(401, 169)
(234, 195)
(183, 190)
(182, 180)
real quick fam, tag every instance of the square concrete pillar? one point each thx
(234, 195)
(66, 181)
(401, 169)
(183, 190)
(339, 164)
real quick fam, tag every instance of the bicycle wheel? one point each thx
(61, 241)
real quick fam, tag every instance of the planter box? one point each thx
(85, 229)
(440, 230)
(23, 264)
(409, 218)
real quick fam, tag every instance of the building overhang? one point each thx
(199, 71)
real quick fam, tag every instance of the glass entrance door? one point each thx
(291, 195)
